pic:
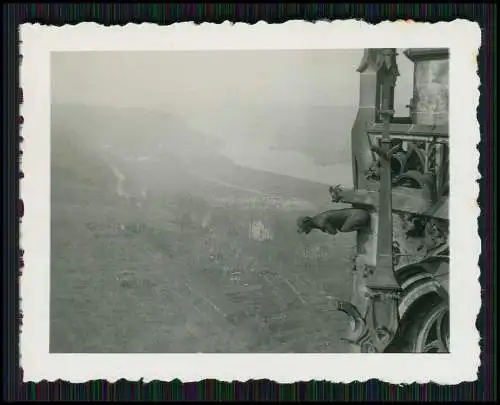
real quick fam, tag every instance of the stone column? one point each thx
(430, 88)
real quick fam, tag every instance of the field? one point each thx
(163, 248)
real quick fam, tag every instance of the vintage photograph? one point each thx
(249, 201)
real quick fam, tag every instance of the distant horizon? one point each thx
(265, 158)
(286, 112)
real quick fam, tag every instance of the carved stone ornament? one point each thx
(335, 193)
(365, 331)
(377, 58)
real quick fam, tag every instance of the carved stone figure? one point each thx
(334, 221)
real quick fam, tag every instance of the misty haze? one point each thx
(177, 179)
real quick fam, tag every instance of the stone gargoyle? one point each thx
(334, 221)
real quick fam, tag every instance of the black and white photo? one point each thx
(266, 199)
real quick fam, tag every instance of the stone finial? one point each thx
(377, 58)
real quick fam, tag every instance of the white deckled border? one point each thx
(462, 37)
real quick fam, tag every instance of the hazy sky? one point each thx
(235, 95)
(169, 79)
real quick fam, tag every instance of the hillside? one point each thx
(160, 244)
(168, 149)
(320, 132)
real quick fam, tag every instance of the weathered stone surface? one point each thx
(431, 92)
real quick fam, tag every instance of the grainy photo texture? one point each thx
(190, 203)
(289, 200)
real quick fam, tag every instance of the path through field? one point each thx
(157, 286)
(208, 259)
